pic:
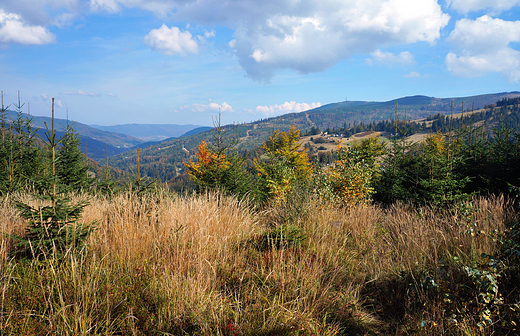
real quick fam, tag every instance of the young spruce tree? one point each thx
(71, 165)
(53, 229)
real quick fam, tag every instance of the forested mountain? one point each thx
(164, 160)
(95, 143)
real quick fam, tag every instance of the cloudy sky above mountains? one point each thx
(180, 61)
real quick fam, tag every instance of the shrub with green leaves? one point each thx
(285, 164)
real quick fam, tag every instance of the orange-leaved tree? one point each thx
(219, 166)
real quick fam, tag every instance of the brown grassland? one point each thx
(163, 264)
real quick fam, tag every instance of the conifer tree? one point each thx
(52, 229)
(71, 165)
(21, 162)
(219, 166)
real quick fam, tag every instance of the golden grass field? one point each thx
(165, 264)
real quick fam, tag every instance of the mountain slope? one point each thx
(165, 160)
(96, 143)
(111, 138)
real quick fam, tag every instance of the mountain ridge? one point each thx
(165, 160)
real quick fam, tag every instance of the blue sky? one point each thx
(179, 61)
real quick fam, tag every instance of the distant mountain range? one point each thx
(99, 143)
(165, 146)
(150, 132)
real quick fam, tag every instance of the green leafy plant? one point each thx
(286, 163)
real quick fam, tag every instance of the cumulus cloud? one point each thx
(171, 41)
(317, 38)
(484, 45)
(286, 107)
(305, 36)
(14, 30)
(387, 58)
(466, 6)
(225, 107)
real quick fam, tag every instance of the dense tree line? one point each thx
(475, 153)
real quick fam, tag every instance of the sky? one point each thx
(110, 62)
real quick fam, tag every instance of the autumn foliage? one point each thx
(286, 163)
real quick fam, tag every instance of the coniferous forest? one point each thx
(392, 237)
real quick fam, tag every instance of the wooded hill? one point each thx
(164, 161)
(100, 142)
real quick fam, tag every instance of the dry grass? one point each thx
(193, 265)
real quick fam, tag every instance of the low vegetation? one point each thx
(391, 238)
(208, 264)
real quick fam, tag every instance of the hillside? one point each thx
(165, 160)
(96, 143)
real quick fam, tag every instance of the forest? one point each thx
(391, 237)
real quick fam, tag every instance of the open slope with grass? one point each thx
(210, 265)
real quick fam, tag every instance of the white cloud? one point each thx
(43, 12)
(171, 41)
(413, 74)
(466, 6)
(305, 36)
(225, 107)
(209, 34)
(48, 99)
(318, 38)
(14, 30)
(286, 107)
(482, 46)
(80, 93)
(387, 58)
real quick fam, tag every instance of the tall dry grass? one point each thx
(195, 265)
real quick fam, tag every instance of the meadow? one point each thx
(392, 238)
(208, 264)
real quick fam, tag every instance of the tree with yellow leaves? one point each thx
(352, 174)
(286, 163)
